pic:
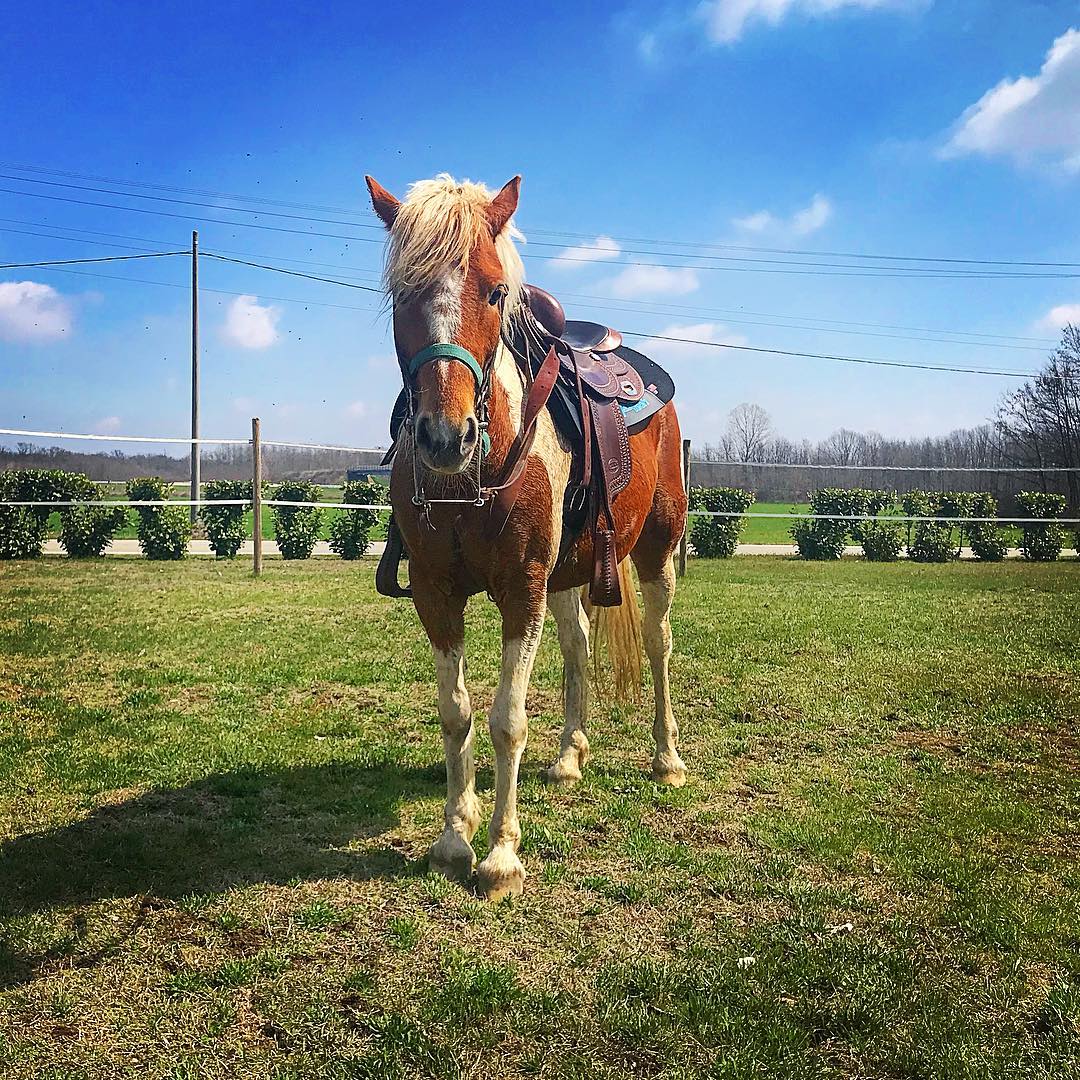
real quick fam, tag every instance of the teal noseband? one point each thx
(444, 350)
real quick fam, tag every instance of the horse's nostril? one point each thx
(472, 430)
(423, 430)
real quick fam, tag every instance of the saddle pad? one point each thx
(659, 389)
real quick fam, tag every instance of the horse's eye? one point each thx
(497, 294)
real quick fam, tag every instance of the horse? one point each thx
(454, 280)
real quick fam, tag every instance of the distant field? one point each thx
(216, 796)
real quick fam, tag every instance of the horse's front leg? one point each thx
(444, 620)
(501, 873)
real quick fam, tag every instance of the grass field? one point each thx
(216, 796)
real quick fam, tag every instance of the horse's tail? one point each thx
(618, 631)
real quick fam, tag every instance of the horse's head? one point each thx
(452, 275)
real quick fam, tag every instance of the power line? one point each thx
(99, 259)
(218, 292)
(866, 361)
(873, 362)
(774, 266)
(293, 273)
(190, 217)
(699, 245)
(190, 202)
(624, 304)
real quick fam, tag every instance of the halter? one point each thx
(447, 350)
(540, 386)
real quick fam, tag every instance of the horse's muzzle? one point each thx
(445, 447)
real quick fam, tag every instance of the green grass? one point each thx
(216, 796)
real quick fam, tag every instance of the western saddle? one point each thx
(598, 392)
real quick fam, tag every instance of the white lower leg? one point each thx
(501, 873)
(573, 626)
(452, 853)
(657, 595)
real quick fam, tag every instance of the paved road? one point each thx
(202, 547)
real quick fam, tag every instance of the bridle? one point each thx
(502, 495)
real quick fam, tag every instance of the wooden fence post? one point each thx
(686, 485)
(256, 497)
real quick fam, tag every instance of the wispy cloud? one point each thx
(107, 424)
(600, 249)
(727, 20)
(690, 338)
(32, 311)
(249, 324)
(815, 215)
(652, 281)
(1029, 118)
(1057, 318)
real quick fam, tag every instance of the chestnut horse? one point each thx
(454, 279)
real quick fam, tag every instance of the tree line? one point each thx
(1036, 426)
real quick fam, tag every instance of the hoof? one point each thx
(452, 857)
(562, 775)
(671, 773)
(500, 875)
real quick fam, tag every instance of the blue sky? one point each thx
(945, 128)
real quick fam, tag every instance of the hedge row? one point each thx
(937, 540)
(164, 531)
(718, 537)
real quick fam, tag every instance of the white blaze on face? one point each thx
(441, 308)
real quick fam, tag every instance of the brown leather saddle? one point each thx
(604, 392)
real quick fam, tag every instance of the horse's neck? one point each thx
(507, 402)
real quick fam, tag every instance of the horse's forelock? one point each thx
(437, 226)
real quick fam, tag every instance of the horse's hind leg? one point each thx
(657, 592)
(443, 618)
(573, 626)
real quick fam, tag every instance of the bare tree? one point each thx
(749, 428)
(1040, 423)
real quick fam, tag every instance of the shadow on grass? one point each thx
(227, 830)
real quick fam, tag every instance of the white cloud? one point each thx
(802, 223)
(249, 324)
(812, 217)
(603, 247)
(726, 20)
(107, 424)
(356, 408)
(31, 311)
(759, 222)
(690, 338)
(1058, 317)
(653, 281)
(1031, 117)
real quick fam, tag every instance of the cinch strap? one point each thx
(444, 350)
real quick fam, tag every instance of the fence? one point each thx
(257, 502)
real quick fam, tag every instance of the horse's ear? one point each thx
(501, 209)
(386, 206)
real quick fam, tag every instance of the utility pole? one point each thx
(195, 453)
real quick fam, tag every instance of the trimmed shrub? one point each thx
(928, 541)
(824, 538)
(882, 541)
(23, 528)
(350, 533)
(296, 528)
(1042, 542)
(718, 537)
(164, 531)
(987, 540)
(85, 531)
(225, 527)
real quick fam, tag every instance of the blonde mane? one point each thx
(437, 226)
